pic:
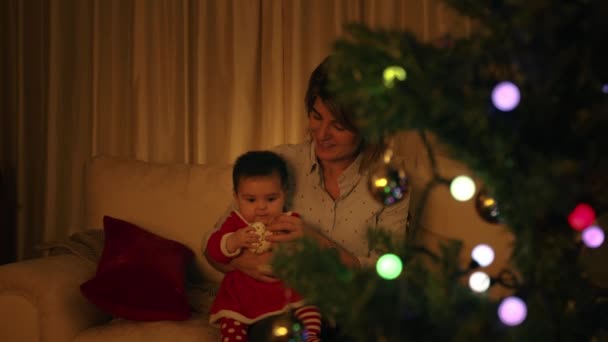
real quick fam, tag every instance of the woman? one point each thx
(329, 186)
(329, 175)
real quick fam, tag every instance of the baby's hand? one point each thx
(262, 244)
(242, 238)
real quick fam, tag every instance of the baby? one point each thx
(260, 184)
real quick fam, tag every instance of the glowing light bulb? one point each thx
(512, 311)
(483, 255)
(479, 281)
(397, 193)
(605, 88)
(389, 266)
(380, 182)
(505, 96)
(390, 200)
(391, 73)
(462, 188)
(593, 236)
(280, 331)
(581, 217)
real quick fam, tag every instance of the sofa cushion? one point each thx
(140, 275)
(196, 329)
(180, 202)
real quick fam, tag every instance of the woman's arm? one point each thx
(393, 219)
(254, 265)
(218, 265)
(346, 257)
(288, 228)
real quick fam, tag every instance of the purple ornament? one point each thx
(593, 236)
(605, 88)
(512, 311)
(505, 96)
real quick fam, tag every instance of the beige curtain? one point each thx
(160, 80)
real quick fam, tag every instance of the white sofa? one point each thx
(40, 299)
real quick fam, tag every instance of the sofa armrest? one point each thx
(40, 299)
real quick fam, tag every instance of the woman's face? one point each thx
(333, 142)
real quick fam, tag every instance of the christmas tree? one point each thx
(523, 102)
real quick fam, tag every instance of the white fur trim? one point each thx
(214, 319)
(241, 217)
(224, 248)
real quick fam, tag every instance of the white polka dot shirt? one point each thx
(345, 220)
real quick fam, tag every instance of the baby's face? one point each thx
(259, 199)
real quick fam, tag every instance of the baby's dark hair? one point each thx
(259, 163)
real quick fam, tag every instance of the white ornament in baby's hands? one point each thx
(262, 245)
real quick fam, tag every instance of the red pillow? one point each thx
(140, 275)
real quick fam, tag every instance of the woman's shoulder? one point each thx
(293, 153)
(291, 148)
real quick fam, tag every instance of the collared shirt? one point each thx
(346, 219)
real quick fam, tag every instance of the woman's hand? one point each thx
(285, 228)
(254, 265)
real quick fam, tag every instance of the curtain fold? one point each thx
(8, 130)
(196, 81)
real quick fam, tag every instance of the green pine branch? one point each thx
(538, 161)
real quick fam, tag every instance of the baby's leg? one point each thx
(311, 319)
(233, 330)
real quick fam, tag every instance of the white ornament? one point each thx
(262, 245)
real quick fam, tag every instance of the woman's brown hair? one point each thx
(318, 87)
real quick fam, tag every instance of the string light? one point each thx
(483, 255)
(462, 188)
(593, 236)
(581, 217)
(280, 331)
(512, 311)
(505, 96)
(391, 73)
(479, 281)
(389, 266)
(381, 182)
